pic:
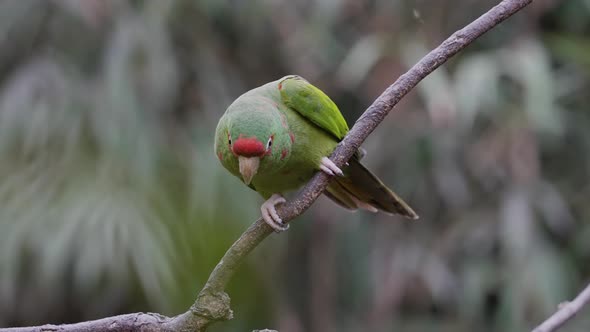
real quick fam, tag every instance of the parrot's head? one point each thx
(253, 138)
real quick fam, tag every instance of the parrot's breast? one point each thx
(309, 145)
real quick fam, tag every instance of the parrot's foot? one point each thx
(328, 167)
(270, 215)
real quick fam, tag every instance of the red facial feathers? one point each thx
(248, 147)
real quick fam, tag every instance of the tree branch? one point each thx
(565, 312)
(212, 303)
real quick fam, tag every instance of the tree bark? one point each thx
(566, 311)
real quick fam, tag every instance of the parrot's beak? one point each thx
(248, 167)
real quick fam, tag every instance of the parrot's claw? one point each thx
(270, 215)
(328, 167)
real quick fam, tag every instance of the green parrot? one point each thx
(275, 137)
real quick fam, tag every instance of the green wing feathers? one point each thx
(359, 188)
(313, 104)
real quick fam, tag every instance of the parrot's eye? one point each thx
(269, 143)
(228, 139)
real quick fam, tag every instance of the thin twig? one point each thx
(565, 312)
(212, 303)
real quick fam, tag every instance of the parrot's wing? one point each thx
(313, 104)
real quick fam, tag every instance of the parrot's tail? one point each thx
(359, 188)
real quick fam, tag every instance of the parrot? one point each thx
(276, 136)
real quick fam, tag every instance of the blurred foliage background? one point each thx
(112, 201)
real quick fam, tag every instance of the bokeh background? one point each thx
(112, 201)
